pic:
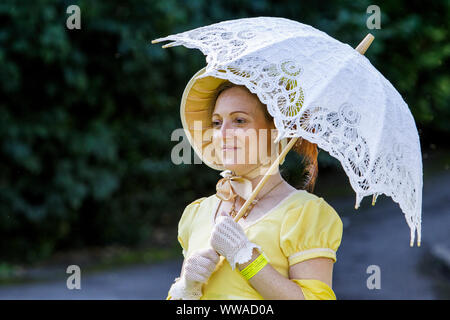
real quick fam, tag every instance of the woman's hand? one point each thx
(229, 240)
(197, 269)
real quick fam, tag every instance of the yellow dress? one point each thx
(301, 227)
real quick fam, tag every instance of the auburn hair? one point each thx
(303, 147)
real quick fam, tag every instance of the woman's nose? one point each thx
(226, 130)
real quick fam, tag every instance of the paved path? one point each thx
(380, 236)
(138, 282)
(372, 236)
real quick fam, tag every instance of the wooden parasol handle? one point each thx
(361, 48)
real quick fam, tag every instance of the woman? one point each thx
(286, 246)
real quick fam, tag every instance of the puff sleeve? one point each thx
(184, 225)
(315, 290)
(309, 231)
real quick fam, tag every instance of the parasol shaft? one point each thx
(361, 48)
(264, 179)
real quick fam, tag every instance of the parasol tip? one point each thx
(168, 45)
(164, 39)
(365, 44)
(358, 201)
(158, 40)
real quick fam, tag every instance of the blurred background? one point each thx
(86, 116)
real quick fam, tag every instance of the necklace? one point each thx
(233, 211)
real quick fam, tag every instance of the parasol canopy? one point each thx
(322, 90)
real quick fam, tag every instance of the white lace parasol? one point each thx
(322, 90)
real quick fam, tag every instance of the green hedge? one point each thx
(86, 115)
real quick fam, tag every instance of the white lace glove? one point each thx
(197, 269)
(229, 240)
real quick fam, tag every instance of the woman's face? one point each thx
(242, 136)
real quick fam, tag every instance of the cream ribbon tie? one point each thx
(232, 185)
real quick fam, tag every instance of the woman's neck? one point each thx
(255, 176)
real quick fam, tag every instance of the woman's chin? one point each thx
(230, 164)
(238, 169)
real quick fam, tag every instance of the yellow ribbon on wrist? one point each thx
(253, 268)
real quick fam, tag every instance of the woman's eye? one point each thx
(217, 123)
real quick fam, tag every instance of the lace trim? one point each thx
(243, 255)
(181, 291)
